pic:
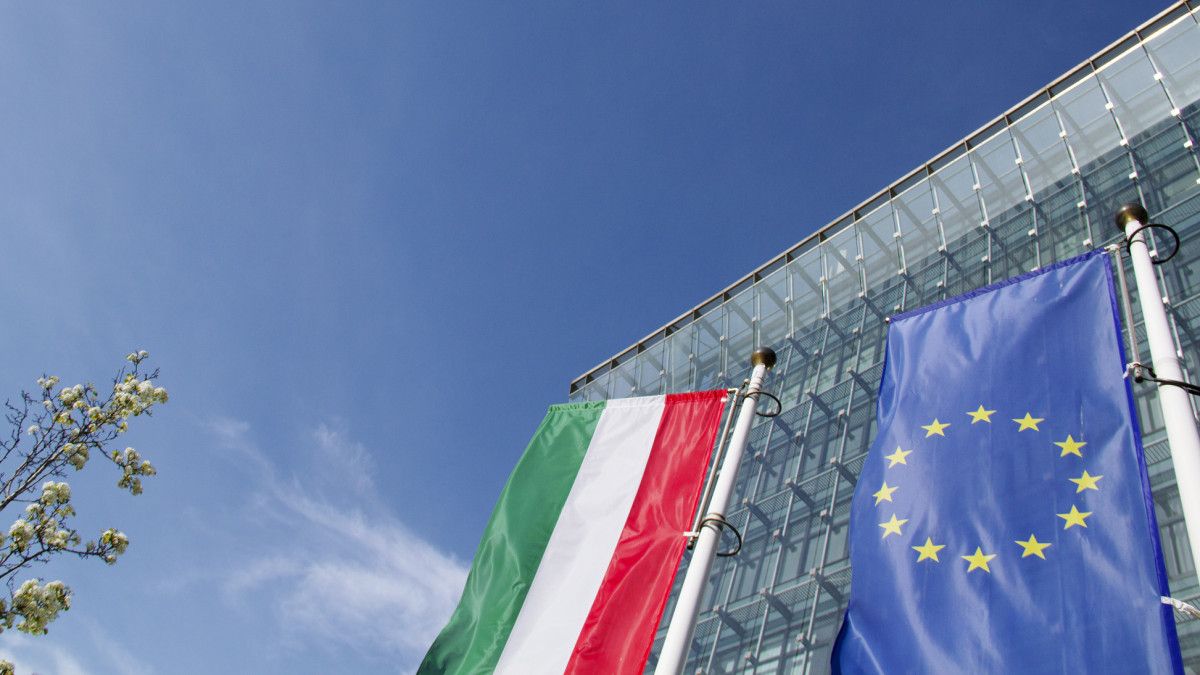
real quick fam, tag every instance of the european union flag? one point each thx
(1002, 522)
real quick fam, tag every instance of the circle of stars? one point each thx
(979, 560)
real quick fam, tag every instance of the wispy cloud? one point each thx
(33, 655)
(350, 573)
(97, 652)
(344, 466)
(120, 659)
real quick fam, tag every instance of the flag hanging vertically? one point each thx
(1002, 522)
(577, 561)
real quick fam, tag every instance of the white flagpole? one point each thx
(1176, 405)
(687, 609)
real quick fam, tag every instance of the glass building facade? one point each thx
(1039, 184)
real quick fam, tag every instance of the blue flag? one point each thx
(1003, 522)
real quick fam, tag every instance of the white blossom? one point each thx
(117, 540)
(78, 455)
(39, 605)
(59, 440)
(55, 493)
(21, 533)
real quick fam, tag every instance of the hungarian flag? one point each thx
(578, 559)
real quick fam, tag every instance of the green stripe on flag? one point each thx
(513, 543)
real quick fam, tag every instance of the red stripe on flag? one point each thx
(619, 631)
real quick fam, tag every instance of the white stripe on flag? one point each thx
(584, 539)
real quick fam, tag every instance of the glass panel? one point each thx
(651, 369)
(1043, 150)
(588, 392)
(873, 335)
(1166, 168)
(1108, 185)
(838, 551)
(624, 380)
(843, 280)
(1091, 130)
(808, 293)
(802, 539)
(956, 198)
(679, 346)
(1177, 53)
(918, 230)
(881, 254)
(737, 355)
(1182, 274)
(967, 262)
(1062, 227)
(805, 362)
(926, 283)
(599, 389)
(1177, 553)
(706, 346)
(750, 577)
(1000, 182)
(860, 426)
(840, 352)
(772, 310)
(739, 333)
(1138, 99)
(739, 314)
(824, 630)
(1191, 121)
(1013, 249)
(777, 641)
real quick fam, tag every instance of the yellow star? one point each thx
(885, 492)
(935, 428)
(898, 456)
(892, 526)
(1071, 447)
(1033, 547)
(929, 550)
(978, 560)
(981, 415)
(1028, 422)
(1086, 482)
(1074, 518)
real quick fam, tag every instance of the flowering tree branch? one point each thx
(56, 430)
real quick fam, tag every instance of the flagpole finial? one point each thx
(1129, 213)
(763, 356)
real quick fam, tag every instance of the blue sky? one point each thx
(369, 243)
